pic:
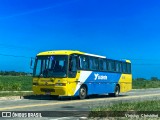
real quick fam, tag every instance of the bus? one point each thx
(75, 73)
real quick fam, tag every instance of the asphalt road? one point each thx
(75, 106)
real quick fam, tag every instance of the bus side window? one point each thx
(73, 64)
(120, 67)
(38, 71)
(83, 62)
(129, 68)
(102, 64)
(117, 65)
(96, 63)
(91, 66)
(93, 63)
(112, 65)
(109, 65)
(124, 66)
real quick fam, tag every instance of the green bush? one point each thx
(16, 87)
(16, 83)
(145, 84)
(1, 87)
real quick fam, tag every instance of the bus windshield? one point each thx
(51, 66)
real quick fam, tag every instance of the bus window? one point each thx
(129, 68)
(47, 66)
(102, 64)
(117, 66)
(93, 63)
(124, 66)
(96, 63)
(111, 65)
(120, 67)
(38, 71)
(73, 64)
(83, 62)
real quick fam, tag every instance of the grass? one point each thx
(15, 83)
(145, 84)
(100, 111)
(136, 106)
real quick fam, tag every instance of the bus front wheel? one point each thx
(116, 92)
(83, 92)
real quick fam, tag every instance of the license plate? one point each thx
(48, 93)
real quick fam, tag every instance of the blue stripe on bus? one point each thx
(101, 82)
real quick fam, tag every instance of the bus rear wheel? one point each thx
(83, 92)
(116, 92)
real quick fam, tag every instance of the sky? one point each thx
(117, 29)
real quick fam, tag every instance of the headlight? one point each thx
(35, 83)
(60, 84)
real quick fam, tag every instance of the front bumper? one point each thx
(50, 90)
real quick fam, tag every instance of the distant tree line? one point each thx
(152, 79)
(13, 73)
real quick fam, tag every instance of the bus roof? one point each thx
(60, 52)
(68, 52)
(124, 60)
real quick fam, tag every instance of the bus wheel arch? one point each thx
(83, 91)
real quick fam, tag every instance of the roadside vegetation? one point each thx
(141, 83)
(15, 83)
(13, 73)
(100, 111)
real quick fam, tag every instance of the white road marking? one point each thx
(83, 118)
(63, 118)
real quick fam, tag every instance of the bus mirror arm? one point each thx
(31, 64)
(77, 81)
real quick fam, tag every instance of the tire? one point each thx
(116, 92)
(83, 92)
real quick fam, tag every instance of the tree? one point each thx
(154, 79)
(140, 79)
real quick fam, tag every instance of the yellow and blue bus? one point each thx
(75, 73)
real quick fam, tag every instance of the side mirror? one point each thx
(31, 63)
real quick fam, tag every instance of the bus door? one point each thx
(72, 66)
(73, 74)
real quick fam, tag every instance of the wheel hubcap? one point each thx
(83, 92)
(117, 91)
